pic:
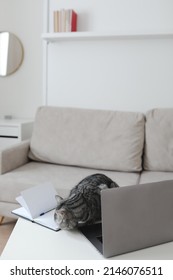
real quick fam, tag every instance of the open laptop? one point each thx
(133, 218)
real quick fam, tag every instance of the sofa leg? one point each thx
(1, 219)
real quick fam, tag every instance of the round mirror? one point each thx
(11, 53)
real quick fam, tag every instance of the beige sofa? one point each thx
(68, 144)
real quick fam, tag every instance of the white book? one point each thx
(38, 205)
(68, 20)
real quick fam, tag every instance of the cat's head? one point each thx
(63, 217)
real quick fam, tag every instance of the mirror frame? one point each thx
(16, 46)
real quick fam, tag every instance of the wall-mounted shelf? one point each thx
(55, 37)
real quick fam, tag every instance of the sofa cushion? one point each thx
(88, 138)
(62, 177)
(158, 155)
(154, 176)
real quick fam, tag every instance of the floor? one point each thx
(5, 230)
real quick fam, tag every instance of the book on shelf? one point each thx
(65, 20)
(38, 205)
(56, 21)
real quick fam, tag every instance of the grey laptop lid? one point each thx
(136, 217)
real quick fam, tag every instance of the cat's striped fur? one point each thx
(83, 205)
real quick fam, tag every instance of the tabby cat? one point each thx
(83, 205)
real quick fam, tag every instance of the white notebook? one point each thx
(38, 204)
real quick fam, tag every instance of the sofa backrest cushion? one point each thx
(158, 155)
(88, 138)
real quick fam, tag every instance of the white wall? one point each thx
(126, 74)
(21, 92)
(118, 14)
(134, 75)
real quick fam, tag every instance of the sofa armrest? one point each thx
(14, 156)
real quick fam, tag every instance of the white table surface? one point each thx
(30, 241)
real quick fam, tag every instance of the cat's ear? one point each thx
(58, 198)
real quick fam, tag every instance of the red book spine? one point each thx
(73, 21)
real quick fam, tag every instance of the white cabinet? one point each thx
(14, 131)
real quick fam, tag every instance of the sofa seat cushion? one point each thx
(62, 177)
(98, 139)
(154, 176)
(158, 155)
